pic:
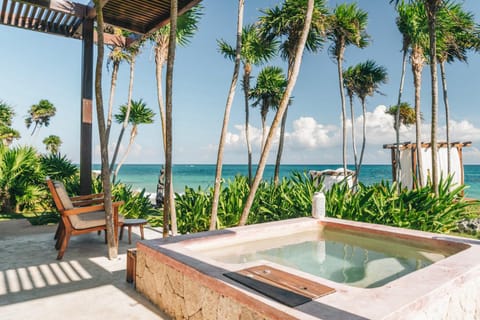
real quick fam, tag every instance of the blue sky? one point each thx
(37, 66)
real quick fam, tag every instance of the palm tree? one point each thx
(267, 94)
(6, 114)
(106, 184)
(226, 116)
(133, 51)
(456, 34)
(350, 79)
(8, 134)
(407, 114)
(412, 17)
(40, 114)
(370, 76)
(347, 26)
(255, 51)
(52, 143)
(286, 23)
(187, 25)
(117, 55)
(300, 45)
(139, 114)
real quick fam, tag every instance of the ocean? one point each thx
(194, 175)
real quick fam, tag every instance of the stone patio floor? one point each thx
(84, 285)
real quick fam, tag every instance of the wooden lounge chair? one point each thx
(79, 215)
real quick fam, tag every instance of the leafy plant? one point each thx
(58, 167)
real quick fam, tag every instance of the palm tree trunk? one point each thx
(344, 112)
(447, 113)
(113, 86)
(432, 8)
(226, 117)
(264, 131)
(159, 62)
(276, 176)
(127, 117)
(397, 118)
(292, 79)
(354, 144)
(364, 136)
(417, 80)
(133, 134)
(167, 210)
(107, 190)
(246, 89)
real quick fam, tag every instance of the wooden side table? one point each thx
(132, 223)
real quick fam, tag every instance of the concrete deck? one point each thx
(84, 285)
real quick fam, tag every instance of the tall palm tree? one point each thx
(286, 23)
(133, 52)
(370, 77)
(187, 25)
(255, 51)
(347, 27)
(8, 134)
(40, 114)
(117, 55)
(457, 34)
(52, 143)
(106, 184)
(139, 114)
(413, 18)
(292, 78)
(226, 116)
(267, 94)
(350, 79)
(6, 114)
(407, 114)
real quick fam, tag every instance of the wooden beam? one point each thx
(68, 7)
(157, 25)
(86, 109)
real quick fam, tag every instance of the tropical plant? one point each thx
(40, 114)
(226, 116)
(382, 204)
(411, 23)
(52, 143)
(255, 51)
(406, 114)
(186, 27)
(267, 94)
(139, 114)
(136, 204)
(370, 76)
(347, 26)
(350, 79)
(20, 178)
(285, 23)
(8, 134)
(457, 33)
(302, 16)
(6, 114)
(58, 167)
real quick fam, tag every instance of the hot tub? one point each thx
(366, 271)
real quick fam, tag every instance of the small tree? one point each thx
(40, 114)
(52, 143)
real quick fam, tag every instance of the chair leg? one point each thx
(60, 237)
(59, 230)
(64, 246)
(121, 232)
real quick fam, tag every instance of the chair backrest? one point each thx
(59, 194)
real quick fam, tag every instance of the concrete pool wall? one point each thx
(187, 285)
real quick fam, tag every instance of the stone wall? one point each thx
(181, 295)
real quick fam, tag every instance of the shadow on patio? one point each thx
(85, 284)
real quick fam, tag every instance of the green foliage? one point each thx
(414, 209)
(40, 114)
(20, 178)
(136, 204)
(58, 167)
(52, 143)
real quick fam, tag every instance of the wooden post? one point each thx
(86, 109)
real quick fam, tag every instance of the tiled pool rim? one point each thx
(187, 285)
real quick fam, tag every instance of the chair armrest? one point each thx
(83, 203)
(87, 197)
(79, 210)
(118, 203)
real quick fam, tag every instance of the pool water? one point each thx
(359, 260)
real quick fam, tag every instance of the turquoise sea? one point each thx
(193, 175)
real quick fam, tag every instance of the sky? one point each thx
(37, 66)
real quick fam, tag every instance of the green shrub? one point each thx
(58, 167)
(416, 209)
